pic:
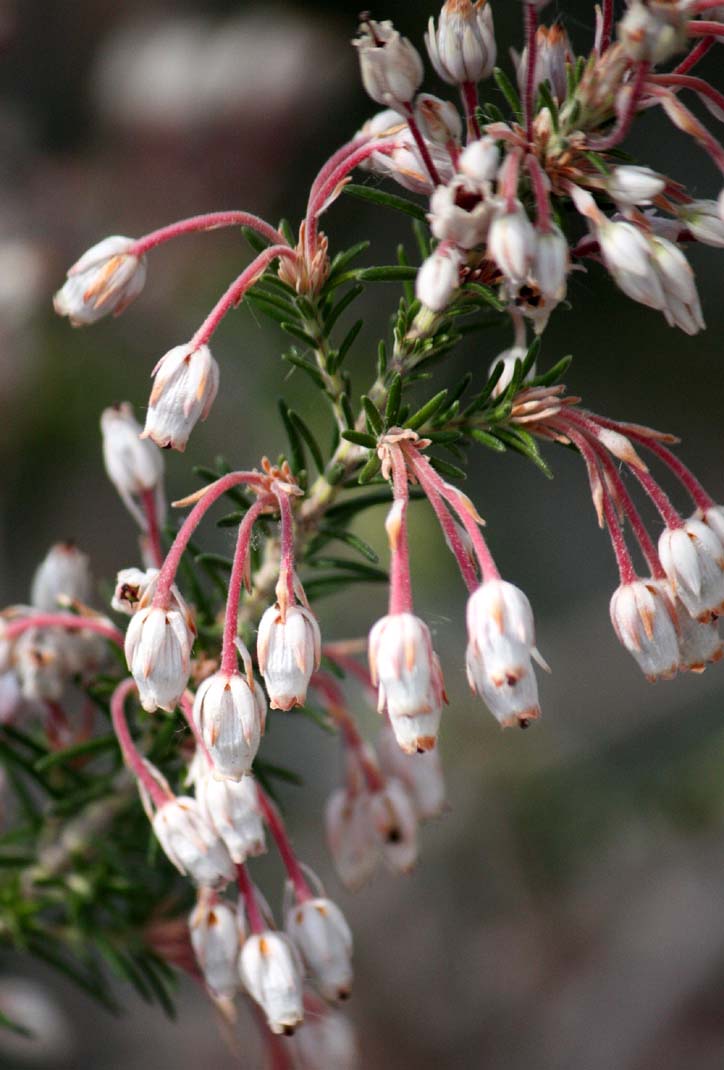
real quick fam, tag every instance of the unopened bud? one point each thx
(319, 931)
(439, 120)
(191, 844)
(693, 559)
(215, 939)
(653, 31)
(705, 221)
(63, 573)
(629, 184)
(351, 837)
(511, 241)
(553, 53)
(438, 278)
(627, 253)
(158, 652)
(270, 970)
(390, 65)
(185, 385)
(230, 714)
(644, 619)
(105, 279)
(288, 652)
(462, 48)
(550, 263)
(232, 807)
(134, 466)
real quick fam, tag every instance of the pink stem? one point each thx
(286, 547)
(128, 748)
(448, 526)
(626, 116)
(606, 26)
(210, 221)
(542, 200)
(696, 85)
(531, 26)
(684, 474)
(699, 50)
(705, 5)
(400, 584)
(422, 145)
(148, 501)
(63, 620)
(236, 580)
(590, 425)
(326, 187)
(187, 708)
(685, 120)
(634, 517)
(469, 94)
(271, 815)
(173, 558)
(702, 28)
(331, 165)
(450, 494)
(246, 888)
(626, 570)
(236, 291)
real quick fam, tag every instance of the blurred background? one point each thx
(568, 912)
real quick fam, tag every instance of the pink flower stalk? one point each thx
(207, 222)
(273, 819)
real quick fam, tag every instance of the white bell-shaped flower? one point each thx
(105, 279)
(230, 711)
(214, 932)
(319, 931)
(232, 807)
(63, 573)
(288, 651)
(186, 382)
(644, 619)
(271, 973)
(191, 843)
(158, 652)
(693, 559)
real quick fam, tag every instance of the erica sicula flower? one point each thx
(105, 279)
(319, 931)
(158, 652)
(232, 808)
(693, 559)
(288, 650)
(191, 843)
(501, 642)
(462, 47)
(644, 619)
(63, 573)
(270, 970)
(186, 381)
(407, 673)
(230, 711)
(390, 65)
(214, 932)
(134, 466)
(351, 837)
(438, 279)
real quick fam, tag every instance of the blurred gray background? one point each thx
(568, 912)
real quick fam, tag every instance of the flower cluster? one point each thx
(514, 205)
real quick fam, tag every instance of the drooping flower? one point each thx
(230, 711)
(288, 651)
(319, 931)
(270, 971)
(190, 842)
(105, 279)
(186, 381)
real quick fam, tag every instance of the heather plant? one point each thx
(133, 748)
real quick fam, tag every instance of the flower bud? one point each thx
(326, 1040)
(479, 161)
(232, 808)
(501, 640)
(215, 939)
(191, 844)
(439, 120)
(105, 279)
(627, 253)
(351, 837)
(158, 652)
(390, 65)
(462, 48)
(230, 711)
(134, 466)
(131, 585)
(407, 673)
(459, 213)
(319, 931)
(644, 619)
(511, 241)
(653, 31)
(628, 184)
(550, 263)
(704, 220)
(693, 559)
(421, 774)
(553, 53)
(393, 818)
(288, 651)
(271, 974)
(63, 572)
(438, 278)
(714, 519)
(698, 643)
(185, 385)
(682, 307)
